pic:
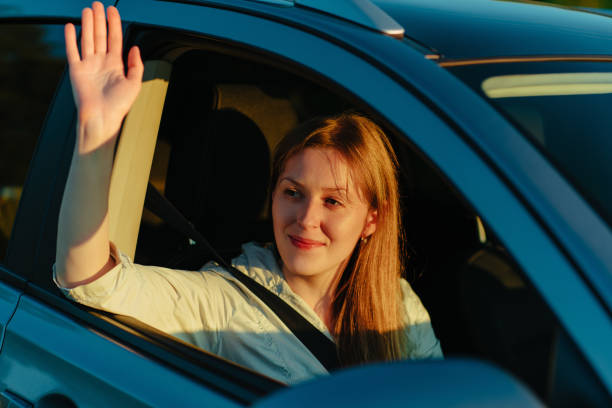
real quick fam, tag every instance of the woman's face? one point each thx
(319, 214)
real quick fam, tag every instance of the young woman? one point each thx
(335, 259)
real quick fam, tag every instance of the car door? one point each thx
(388, 98)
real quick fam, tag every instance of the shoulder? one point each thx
(415, 311)
(421, 335)
(258, 261)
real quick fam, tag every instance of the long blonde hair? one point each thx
(367, 305)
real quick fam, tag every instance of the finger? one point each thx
(135, 66)
(87, 43)
(72, 51)
(99, 20)
(115, 35)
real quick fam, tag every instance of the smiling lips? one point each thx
(303, 243)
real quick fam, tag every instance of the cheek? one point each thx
(348, 228)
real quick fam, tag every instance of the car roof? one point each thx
(468, 29)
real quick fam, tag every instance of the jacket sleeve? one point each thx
(181, 303)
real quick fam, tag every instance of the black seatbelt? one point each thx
(319, 345)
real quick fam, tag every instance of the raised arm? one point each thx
(103, 94)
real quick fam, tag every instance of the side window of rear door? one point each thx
(32, 61)
(31, 64)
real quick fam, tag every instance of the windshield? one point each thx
(565, 109)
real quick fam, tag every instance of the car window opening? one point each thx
(238, 103)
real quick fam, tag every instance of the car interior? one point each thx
(223, 114)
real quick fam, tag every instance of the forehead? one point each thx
(321, 167)
(312, 162)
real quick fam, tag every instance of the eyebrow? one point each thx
(342, 190)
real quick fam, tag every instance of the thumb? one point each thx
(135, 68)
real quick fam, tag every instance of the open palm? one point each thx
(102, 91)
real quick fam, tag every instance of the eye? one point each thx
(291, 192)
(333, 202)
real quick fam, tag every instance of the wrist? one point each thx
(93, 137)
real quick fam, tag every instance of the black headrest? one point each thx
(218, 173)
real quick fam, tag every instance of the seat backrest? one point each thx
(506, 319)
(218, 178)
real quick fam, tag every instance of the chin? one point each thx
(299, 267)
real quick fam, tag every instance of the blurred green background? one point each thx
(582, 3)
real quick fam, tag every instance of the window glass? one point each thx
(31, 63)
(564, 109)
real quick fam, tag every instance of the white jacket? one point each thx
(212, 310)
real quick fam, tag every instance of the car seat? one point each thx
(441, 233)
(218, 178)
(216, 175)
(506, 319)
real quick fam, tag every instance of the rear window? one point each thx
(564, 109)
(31, 64)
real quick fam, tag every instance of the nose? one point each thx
(309, 215)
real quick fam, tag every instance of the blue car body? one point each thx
(52, 349)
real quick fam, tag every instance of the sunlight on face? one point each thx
(319, 214)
